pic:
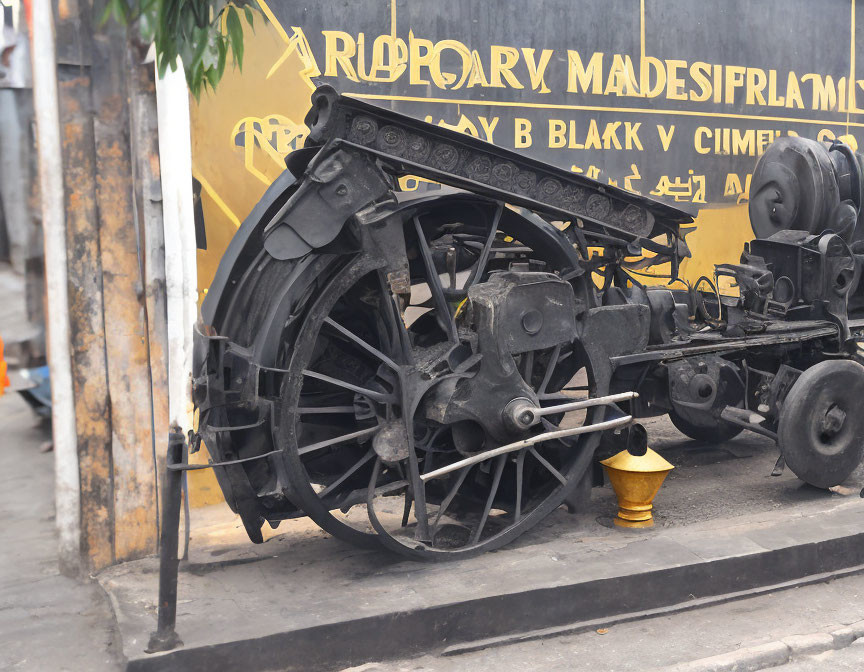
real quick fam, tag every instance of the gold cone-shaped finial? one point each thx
(636, 480)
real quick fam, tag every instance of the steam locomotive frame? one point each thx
(437, 371)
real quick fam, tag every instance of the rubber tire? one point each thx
(810, 457)
(717, 431)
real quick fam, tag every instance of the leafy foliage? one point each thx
(198, 32)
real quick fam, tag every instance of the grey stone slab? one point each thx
(714, 548)
(284, 602)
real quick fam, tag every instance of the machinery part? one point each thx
(704, 427)
(617, 423)
(800, 184)
(522, 414)
(747, 420)
(480, 502)
(459, 160)
(699, 389)
(821, 430)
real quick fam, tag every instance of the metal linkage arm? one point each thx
(545, 436)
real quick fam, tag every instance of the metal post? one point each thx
(165, 638)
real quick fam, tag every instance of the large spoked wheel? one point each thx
(357, 421)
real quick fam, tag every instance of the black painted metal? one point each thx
(450, 157)
(165, 638)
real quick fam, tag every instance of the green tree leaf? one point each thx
(191, 30)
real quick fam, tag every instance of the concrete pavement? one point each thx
(666, 642)
(305, 601)
(48, 622)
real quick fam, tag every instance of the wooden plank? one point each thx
(86, 319)
(134, 466)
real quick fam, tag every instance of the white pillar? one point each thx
(181, 275)
(67, 483)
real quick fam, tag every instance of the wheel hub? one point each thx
(519, 414)
(515, 314)
(832, 422)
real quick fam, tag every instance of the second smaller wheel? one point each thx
(821, 432)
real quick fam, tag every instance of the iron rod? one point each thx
(165, 638)
(524, 443)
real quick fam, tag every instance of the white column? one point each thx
(181, 276)
(67, 483)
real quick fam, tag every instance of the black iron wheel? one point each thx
(353, 426)
(821, 431)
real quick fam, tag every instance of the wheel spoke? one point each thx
(496, 479)
(520, 467)
(339, 439)
(325, 410)
(527, 366)
(363, 344)
(417, 485)
(398, 333)
(449, 498)
(365, 391)
(406, 509)
(542, 460)
(335, 484)
(553, 362)
(434, 282)
(477, 273)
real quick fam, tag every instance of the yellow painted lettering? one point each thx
(703, 132)
(522, 133)
(793, 92)
(557, 133)
(756, 81)
(734, 80)
(665, 135)
(421, 56)
(824, 91)
(631, 135)
(537, 70)
(675, 83)
(339, 48)
(592, 139)
(699, 73)
(610, 135)
(773, 99)
(488, 127)
(622, 77)
(587, 77)
(645, 67)
(503, 60)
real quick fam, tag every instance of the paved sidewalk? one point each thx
(48, 623)
(850, 659)
(658, 643)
